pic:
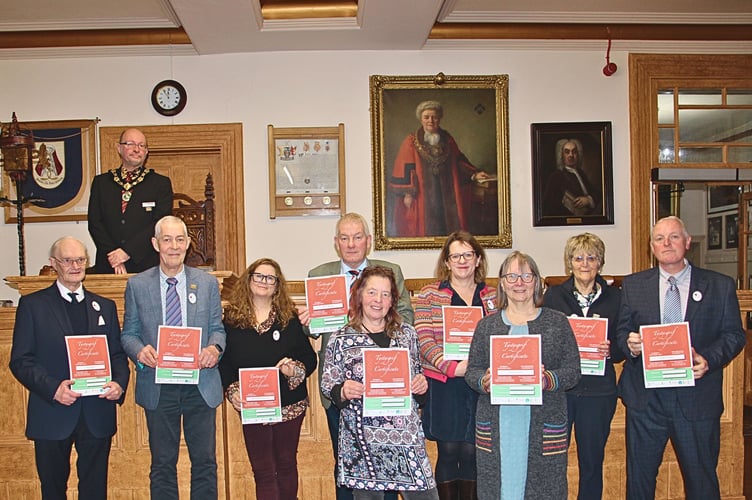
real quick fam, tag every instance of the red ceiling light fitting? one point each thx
(610, 68)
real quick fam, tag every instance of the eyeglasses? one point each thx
(455, 257)
(591, 259)
(513, 277)
(134, 145)
(264, 278)
(67, 262)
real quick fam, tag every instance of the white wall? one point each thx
(322, 89)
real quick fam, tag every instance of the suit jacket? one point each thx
(39, 360)
(404, 306)
(132, 230)
(143, 315)
(715, 330)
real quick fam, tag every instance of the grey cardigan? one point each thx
(547, 453)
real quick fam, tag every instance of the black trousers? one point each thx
(53, 464)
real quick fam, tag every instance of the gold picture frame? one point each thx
(64, 182)
(469, 166)
(306, 171)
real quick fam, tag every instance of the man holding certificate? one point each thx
(676, 292)
(59, 416)
(172, 327)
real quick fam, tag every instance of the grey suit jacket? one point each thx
(404, 307)
(143, 315)
(715, 329)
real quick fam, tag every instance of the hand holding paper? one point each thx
(112, 391)
(699, 364)
(64, 395)
(634, 343)
(352, 390)
(419, 384)
(147, 356)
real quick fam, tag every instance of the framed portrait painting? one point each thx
(440, 148)
(572, 174)
(63, 167)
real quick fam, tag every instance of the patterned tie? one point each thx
(672, 303)
(354, 273)
(173, 316)
(125, 195)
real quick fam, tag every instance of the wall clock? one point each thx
(169, 97)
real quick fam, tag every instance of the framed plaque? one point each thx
(306, 171)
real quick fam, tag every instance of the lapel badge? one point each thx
(275, 335)
(490, 304)
(697, 295)
(192, 298)
(100, 321)
(95, 305)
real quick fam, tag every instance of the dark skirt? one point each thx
(449, 413)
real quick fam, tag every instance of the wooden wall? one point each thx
(129, 460)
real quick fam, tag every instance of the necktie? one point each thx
(73, 297)
(173, 316)
(672, 303)
(354, 273)
(125, 196)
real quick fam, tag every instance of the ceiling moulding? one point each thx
(317, 9)
(90, 24)
(91, 52)
(581, 31)
(331, 23)
(599, 17)
(90, 38)
(642, 46)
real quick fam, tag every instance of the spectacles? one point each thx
(455, 257)
(513, 277)
(591, 259)
(134, 145)
(264, 278)
(67, 262)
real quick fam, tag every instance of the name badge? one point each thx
(148, 205)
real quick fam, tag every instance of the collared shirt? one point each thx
(683, 279)
(181, 289)
(345, 269)
(64, 292)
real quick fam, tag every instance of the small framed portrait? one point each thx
(572, 174)
(722, 198)
(440, 148)
(731, 230)
(715, 233)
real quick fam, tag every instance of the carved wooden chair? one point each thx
(199, 219)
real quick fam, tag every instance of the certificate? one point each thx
(178, 348)
(327, 303)
(89, 362)
(516, 370)
(590, 333)
(667, 355)
(386, 376)
(459, 325)
(260, 401)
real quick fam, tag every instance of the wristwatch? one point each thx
(219, 348)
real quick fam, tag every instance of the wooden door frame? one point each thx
(224, 138)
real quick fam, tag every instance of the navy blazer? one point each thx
(132, 230)
(39, 360)
(143, 315)
(715, 329)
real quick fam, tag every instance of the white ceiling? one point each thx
(232, 26)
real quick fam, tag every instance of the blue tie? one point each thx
(672, 303)
(173, 316)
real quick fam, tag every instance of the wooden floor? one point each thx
(748, 452)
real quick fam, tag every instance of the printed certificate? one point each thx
(386, 376)
(89, 362)
(459, 326)
(178, 348)
(590, 333)
(260, 400)
(667, 355)
(327, 303)
(516, 370)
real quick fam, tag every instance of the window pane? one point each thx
(666, 145)
(714, 125)
(739, 96)
(740, 155)
(665, 107)
(700, 155)
(699, 97)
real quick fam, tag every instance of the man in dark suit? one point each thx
(57, 416)
(689, 416)
(352, 241)
(124, 205)
(167, 405)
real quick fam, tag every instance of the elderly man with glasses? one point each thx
(124, 205)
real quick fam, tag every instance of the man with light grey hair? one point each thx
(431, 182)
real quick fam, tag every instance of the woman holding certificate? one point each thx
(372, 373)
(521, 419)
(449, 414)
(263, 331)
(592, 402)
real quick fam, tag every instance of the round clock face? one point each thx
(169, 97)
